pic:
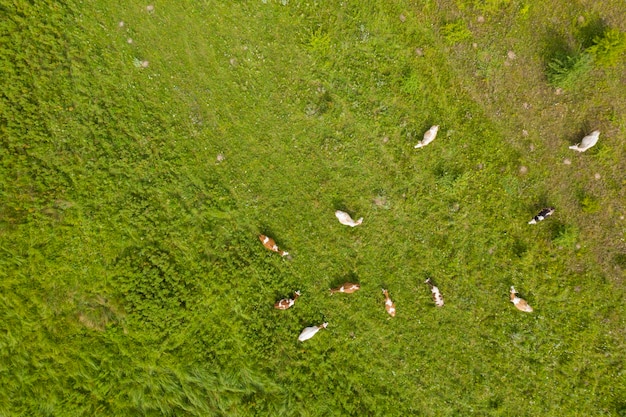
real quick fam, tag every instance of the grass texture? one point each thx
(144, 147)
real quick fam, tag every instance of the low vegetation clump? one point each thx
(570, 70)
(144, 148)
(609, 49)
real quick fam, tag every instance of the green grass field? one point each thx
(144, 149)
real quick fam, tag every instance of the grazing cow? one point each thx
(285, 303)
(542, 215)
(437, 297)
(309, 332)
(429, 136)
(587, 142)
(348, 288)
(344, 218)
(389, 305)
(269, 243)
(520, 303)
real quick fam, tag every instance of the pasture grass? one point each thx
(133, 281)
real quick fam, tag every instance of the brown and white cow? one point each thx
(389, 305)
(520, 303)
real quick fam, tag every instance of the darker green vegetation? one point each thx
(569, 68)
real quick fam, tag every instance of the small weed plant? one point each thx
(456, 32)
(609, 49)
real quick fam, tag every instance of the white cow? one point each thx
(309, 332)
(429, 136)
(587, 142)
(344, 218)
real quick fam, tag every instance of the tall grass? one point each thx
(132, 278)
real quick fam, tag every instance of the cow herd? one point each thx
(349, 287)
